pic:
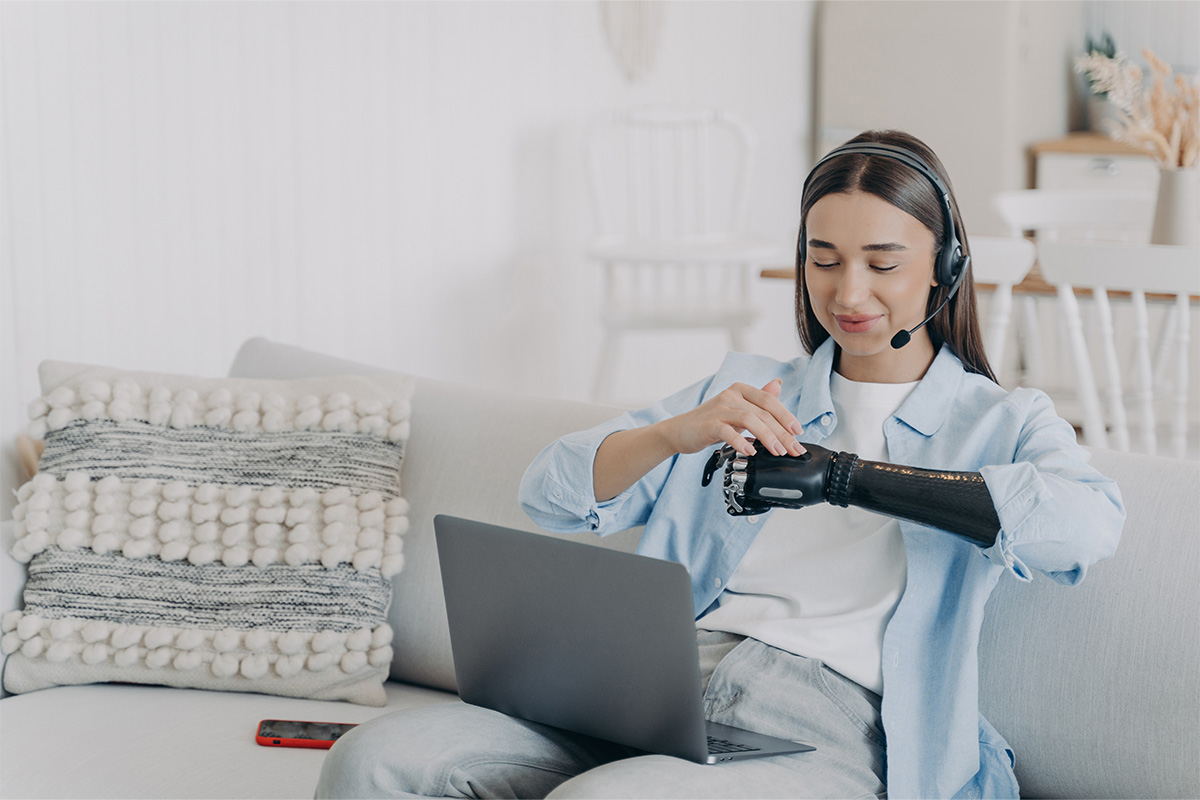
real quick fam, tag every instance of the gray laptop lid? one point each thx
(592, 640)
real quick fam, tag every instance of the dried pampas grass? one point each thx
(1164, 122)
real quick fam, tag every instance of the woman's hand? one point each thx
(723, 419)
(625, 456)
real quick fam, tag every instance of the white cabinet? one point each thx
(1069, 171)
(1089, 161)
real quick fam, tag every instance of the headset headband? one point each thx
(950, 264)
(888, 151)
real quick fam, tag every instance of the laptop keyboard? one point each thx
(716, 745)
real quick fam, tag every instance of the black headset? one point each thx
(951, 264)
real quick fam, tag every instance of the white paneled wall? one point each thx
(399, 183)
(1171, 28)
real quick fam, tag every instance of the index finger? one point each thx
(769, 401)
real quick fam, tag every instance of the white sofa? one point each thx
(1097, 687)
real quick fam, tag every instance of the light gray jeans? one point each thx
(460, 750)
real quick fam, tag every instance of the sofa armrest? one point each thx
(1097, 686)
(12, 579)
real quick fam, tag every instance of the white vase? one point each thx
(1177, 209)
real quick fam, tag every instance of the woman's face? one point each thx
(869, 268)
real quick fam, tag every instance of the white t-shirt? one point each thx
(823, 581)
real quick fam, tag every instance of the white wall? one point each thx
(979, 82)
(399, 183)
(1171, 28)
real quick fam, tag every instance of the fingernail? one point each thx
(797, 428)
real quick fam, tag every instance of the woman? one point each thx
(849, 630)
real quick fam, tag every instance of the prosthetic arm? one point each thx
(957, 502)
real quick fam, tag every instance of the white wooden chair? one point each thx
(1138, 269)
(1051, 214)
(1004, 261)
(670, 196)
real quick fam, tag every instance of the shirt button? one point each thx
(752, 519)
(717, 582)
(826, 420)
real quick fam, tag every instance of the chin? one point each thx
(862, 345)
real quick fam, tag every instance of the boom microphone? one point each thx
(903, 337)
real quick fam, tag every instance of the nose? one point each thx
(853, 287)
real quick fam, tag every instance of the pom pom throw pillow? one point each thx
(227, 534)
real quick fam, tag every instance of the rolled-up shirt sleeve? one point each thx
(557, 489)
(1057, 514)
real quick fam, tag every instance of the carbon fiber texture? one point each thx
(958, 502)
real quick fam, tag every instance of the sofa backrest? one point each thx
(465, 457)
(1096, 687)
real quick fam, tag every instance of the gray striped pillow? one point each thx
(228, 534)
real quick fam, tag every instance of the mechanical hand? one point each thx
(755, 483)
(957, 502)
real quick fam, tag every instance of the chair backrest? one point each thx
(669, 175)
(1001, 259)
(1004, 261)
(1138, 269)
(1104, 215)
(669, 190)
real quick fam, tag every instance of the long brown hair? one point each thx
(957, 325)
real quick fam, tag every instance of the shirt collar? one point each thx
(814, 398)
(924, 410)
(927, 406)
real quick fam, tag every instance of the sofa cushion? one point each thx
(468, 451)
(221, 534)
(154, 742)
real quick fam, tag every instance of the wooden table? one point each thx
(1034, 285)
(1088, 143)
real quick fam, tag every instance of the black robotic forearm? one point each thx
(957, 502)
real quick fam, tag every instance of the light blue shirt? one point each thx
(1057, 515)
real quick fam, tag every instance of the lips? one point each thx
(857, 323)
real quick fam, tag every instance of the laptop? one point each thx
(591, 640)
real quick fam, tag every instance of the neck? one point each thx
(908, 364)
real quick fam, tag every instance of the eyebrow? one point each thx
(884, 247)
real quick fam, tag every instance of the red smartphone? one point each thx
(299, 733)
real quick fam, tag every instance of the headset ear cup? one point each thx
(950, 264)
(957, 268)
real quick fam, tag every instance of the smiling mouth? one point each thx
(857, 323)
